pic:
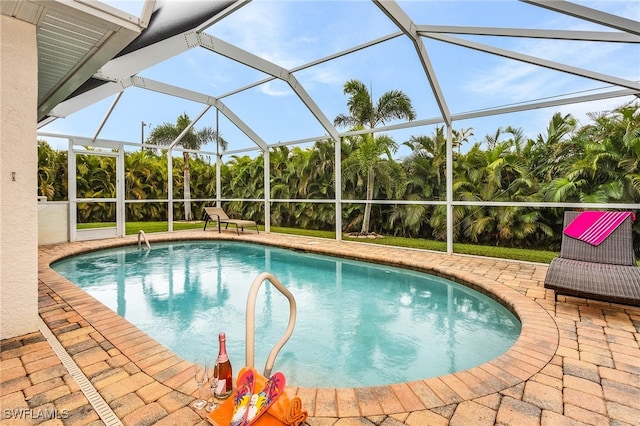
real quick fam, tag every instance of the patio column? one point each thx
(267, 191)
(450, 189)
(18, 178)
(338, 188)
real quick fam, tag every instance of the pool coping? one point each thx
(533, 350)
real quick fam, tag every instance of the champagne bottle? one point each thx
(222, 371)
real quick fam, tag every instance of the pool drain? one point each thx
(99, 404)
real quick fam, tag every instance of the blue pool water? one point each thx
(358, 324)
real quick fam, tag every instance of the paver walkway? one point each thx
(577, 362)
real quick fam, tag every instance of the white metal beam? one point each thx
(179, 92)
(316, 62)
(171, 90)
(147, 11)
(547, 104)
(132, 63)
(449, 189)
(313, 107)
(404, 22)
(186, 130)
(118, 71)
(46, 121)
(528, 106)
(219, 16)
(536, 61)
(267, 190)
(88, 98)
(235, 53)
(588, 14)
(106, 116)
(604, 36)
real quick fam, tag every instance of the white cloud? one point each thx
(264, 29)
(270, 90)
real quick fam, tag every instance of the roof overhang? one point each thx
(75, 39)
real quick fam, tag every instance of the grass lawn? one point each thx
(148, 227)
(418, 243)
(540, 256)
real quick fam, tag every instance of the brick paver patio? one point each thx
(576, 362)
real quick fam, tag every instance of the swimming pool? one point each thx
(359, 324)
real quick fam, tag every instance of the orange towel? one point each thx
(295, 415)
(284, 411)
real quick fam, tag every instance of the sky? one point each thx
(293, 33)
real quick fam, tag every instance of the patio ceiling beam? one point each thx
(536, 61)
(147, 11)
(406, 25)
(118, 71)
(547, 104)
(188, 128)
(88, 98)
(190, 95)
(469, 115)
(604, 36)
(312, 106)
(237, 54)
(242, 56)
(106, 116)
(498, 111)
(132, 63)
(317, 62)
(223, 14)
(589, 14)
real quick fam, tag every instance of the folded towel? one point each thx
(595, 227)
(295, 415)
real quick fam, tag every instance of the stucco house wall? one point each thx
(18, 178)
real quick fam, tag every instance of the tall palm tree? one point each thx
(364, 114)
(367, 162)
(166, 133)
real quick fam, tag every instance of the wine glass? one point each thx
(213, 383)
(201, 376)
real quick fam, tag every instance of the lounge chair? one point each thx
(217, 214)
(608, 271)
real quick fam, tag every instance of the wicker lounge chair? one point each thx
(217, 214)
(606, 272)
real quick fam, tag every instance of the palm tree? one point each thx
(366, 162)
(363, 114)
(604, 159)
(166, 133)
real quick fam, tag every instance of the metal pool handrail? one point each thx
(144, 237)
(251, 313)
